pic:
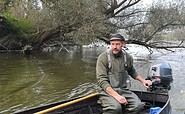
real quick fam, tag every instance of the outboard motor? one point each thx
(161, 77)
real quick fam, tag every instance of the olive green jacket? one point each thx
(118, 64)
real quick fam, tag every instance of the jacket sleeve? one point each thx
(102, 70)
(131, 70)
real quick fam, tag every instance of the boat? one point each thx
(88, 105)
(156, 96)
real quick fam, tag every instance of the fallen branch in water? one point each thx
(4, 47)
(62, 48)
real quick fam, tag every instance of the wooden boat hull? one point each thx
(88, 105)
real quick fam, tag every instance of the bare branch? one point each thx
(111, 12)
(130, 14)
(125, 7)
(158, 30)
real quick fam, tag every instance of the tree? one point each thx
(146, 26)
(80, 20)
(83, 21)
(160, 19)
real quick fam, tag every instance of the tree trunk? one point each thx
(47, 37)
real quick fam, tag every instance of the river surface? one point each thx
(42, 78)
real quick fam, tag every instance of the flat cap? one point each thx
(116, 37)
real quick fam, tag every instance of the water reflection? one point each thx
(49, 77)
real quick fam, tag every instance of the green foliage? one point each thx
(81, 20)
(21, 27)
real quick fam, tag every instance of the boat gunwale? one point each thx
(139, 93)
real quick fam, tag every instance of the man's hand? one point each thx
(147, 83)
(118, 97)
(121, 99)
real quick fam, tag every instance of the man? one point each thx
(112, 70)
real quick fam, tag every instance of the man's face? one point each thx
(116, 46)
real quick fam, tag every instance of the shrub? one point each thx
(21, 27)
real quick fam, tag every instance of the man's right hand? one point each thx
(121, 99)
(118, 97)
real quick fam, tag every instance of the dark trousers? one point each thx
(112, 106)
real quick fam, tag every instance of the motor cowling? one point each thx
(161, 77)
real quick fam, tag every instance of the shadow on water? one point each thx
(44, 78)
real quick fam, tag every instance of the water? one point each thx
(42, 78)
